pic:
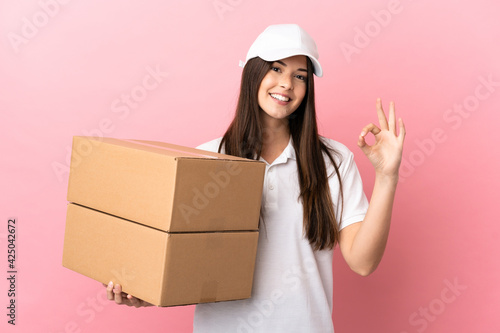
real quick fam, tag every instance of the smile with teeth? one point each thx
(280, 97)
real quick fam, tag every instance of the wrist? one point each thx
(389, 179)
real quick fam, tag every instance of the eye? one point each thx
(301, 77)
(275, 69)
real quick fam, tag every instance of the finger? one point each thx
(109, 291)
(134, 301)
(361, 141)
(381, 115)
(392, 118)
(370, 128)
(365, 148)
(118, 294)
(402, 131)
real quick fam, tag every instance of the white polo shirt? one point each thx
(293, 284)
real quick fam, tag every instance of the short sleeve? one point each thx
(354, 204)
(212, 146)
(355, 201)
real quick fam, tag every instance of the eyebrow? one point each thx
(282, 63)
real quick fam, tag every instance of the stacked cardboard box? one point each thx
(173, 225)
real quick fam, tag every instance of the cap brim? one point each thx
(282, 54)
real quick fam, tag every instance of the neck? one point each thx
(275, 131)
(276, 135)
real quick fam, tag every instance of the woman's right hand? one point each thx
(115, 293)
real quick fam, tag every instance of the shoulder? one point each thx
(351, 182)
(212, 145)
(343, 158)
(339, 151)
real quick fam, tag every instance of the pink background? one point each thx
(64, 67)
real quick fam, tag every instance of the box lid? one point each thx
(168, 187)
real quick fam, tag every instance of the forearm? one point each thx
(370, 240)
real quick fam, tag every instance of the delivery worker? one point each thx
(313, 195)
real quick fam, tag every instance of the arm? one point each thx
(363, 244)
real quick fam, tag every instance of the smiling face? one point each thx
(283, 88)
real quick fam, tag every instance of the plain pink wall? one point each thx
(67, 66)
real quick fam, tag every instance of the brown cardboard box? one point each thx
(168, 187)
(172, 225)
(161, 268)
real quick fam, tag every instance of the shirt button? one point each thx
(271, 187)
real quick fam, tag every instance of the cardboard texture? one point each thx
(173, 225)
(168, 187)
(161, 268)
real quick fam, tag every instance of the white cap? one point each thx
(281, 41)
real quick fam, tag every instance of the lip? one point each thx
(278, 101)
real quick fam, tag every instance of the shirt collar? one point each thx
(288, 153)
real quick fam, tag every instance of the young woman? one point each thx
(313, 196)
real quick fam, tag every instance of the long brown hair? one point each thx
(244, 138)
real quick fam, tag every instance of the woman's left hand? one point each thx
(386, 153)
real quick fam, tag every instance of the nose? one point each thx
(286, 82)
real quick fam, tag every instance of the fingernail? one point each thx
(110, 284)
